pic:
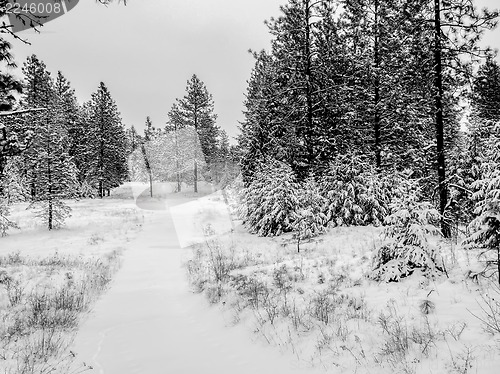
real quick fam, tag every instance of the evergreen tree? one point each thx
(457, 28)
(486, 92)
(106, 143)
(13, 184)
(55, 174)
(151, 132)
(220, 166)
(256, 140)
(49, 169)
(134, 140)
(38, 92)
(297, 80)
(486, 226)
(196, 109)
(5, 222)
(67, 102)
(9, 85)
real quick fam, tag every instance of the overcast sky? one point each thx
(147, 50)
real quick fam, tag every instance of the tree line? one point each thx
(189, 148)
(52, 148)
(380, 79)
(58, 149)
(358, 115)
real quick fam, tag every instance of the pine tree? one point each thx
(457, 30)
(67, 103)
(486, 92)
(52, 173)
(486, 226)
(257, 141)
(13, 184)
(5, 222)
(196, 109)
(38, 92)
(9, 85)
(271, 199)
(220, 165)
(151, 132)
(55, 174)
(297, 77)
(134, 140)
(386, 83)
(107, 167)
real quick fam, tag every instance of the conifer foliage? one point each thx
(486, 226)
(272, 200)
(5, 222)
(408, 227)
(52, 149)
(51, 171)
(106, 143)
(196, 110)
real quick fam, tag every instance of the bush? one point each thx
(408, 228)
(271, 200)
(5, 223)
(486, 226)
(355, 194)
(310, 218)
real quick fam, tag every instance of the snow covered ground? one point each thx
(49, 280)
(150, 321)
(321, 305)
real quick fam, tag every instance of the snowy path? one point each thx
(148, 322)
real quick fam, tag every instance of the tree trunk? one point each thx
(150, 184)
(50, 214)
(195, 150)
(101, 157)
(438, 85)
(498, 264)
(376, 116)
(195, 176)
(3, 161)
(49, 179)
(310, 114)
(177, 167)
(148, 169)
(101, 190)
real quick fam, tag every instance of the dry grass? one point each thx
(42, 302)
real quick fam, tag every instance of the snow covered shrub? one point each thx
(407, 227)
(52, 213)
(271, 199)
(486, 226)
(87, 190)
(356, 195)
(13, 184)
(310, 217)
(5, 223)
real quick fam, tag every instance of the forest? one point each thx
(361, 112)
(368, 155)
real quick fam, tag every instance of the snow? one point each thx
(149, 321)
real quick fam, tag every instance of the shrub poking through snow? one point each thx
(486, 226)
(271, 200)
(355, 194)
(408, 227)
(5, 223)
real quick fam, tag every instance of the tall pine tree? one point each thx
(196, 110)
(106, 147)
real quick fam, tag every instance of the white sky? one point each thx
(146, 51)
